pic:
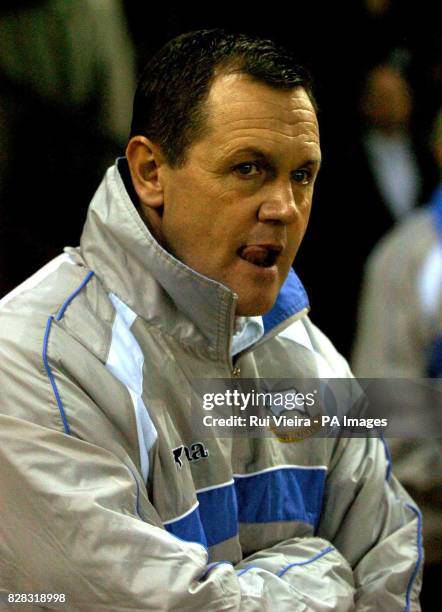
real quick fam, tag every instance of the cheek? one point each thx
(304, 199)
(297, 229)
(307, 212)
(304, 209)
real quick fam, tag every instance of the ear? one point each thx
(145, 160)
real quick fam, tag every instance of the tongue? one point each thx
(255, 254)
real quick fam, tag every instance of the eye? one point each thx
(303, 176)
(248, 169)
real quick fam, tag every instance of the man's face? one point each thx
(237, 210)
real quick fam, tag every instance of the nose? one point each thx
(279, 204)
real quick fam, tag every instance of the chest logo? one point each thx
(191, 453)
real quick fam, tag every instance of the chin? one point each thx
(255, 308)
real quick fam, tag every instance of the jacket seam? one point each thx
(388, 458)
(419, 556)
(212, 566)
(299, 563)
(47, 367)
(51, 377)
(246, 569)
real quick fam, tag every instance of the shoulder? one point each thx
(59, 314)
(65, 291)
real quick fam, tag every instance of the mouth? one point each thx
(260, 255)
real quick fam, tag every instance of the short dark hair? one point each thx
(169, 100)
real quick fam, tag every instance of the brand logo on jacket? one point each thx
(191, 453)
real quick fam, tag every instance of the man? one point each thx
(400, 335)
(108, 495)
(400, 332)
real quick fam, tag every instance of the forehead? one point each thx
(243, 112)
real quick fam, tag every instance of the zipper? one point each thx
(236, 372)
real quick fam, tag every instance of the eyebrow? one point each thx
(262, 156)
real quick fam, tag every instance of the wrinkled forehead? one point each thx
(242, 112)
(237, 100)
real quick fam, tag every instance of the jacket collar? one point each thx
(118, 246)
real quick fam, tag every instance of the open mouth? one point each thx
(261, 255)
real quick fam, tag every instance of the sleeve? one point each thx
(76, 520)
(375, 525)
(368, 516)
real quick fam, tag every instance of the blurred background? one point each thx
(68, 69)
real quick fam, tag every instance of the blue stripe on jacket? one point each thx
(288, 494)
(219, 513)
(280, 494)
(189, 528)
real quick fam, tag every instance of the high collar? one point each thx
(118, 246)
